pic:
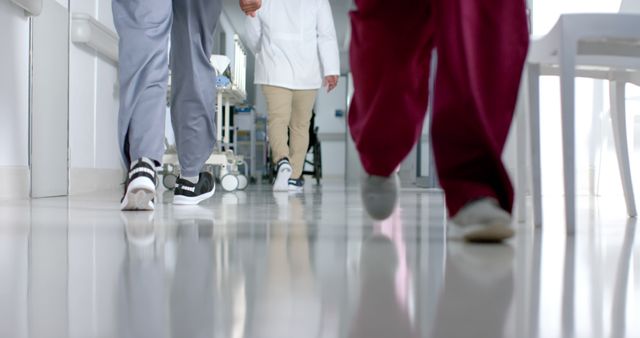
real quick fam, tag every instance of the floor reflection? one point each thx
(476, 277)
(263, 265)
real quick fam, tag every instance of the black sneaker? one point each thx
(187, 193)
(283, 174)
(140, 189)
(296, 185)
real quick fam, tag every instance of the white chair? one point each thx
(595, 45)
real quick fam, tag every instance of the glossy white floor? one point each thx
(252, 264)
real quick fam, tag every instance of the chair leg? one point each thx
(567, 98)
(618, 120)
(521, 156)
(533, 78)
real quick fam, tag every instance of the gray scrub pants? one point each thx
(144, 27)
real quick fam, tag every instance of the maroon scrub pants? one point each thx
(481, 45)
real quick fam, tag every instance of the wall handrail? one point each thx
(31, 7)
(87, 30)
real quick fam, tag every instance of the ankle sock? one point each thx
(192, 179)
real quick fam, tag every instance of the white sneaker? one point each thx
(283, 175)
(380, 195)
(481, 221)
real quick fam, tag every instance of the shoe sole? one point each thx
(184, 200)
(282, 180)
(489, 234)
(296, 189)
(139, 196)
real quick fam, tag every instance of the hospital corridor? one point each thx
(219, 168)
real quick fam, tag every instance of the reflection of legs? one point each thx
(481, 49)
(279, 273)
(302, 104)
(193, 286)
(143, 27)
(299, 244)
(475, 275)
(142, 283)
(193, 81)
(278, 117)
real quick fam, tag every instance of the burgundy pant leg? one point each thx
(482, 45)
(390, 55)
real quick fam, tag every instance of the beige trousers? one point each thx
(289, 110)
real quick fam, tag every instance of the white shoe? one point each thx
(481, 221)
(380, 195)
(283, 175)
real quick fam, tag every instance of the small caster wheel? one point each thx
(229, 182)
(169, 181)
(243, 182)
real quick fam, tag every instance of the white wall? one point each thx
(94, 157)
(14, 100)
(330, 126)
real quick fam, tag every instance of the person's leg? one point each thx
(279, 102)
(193, 96)
(302, 105)
(143, 28)
(193, 82)
(481, 51)
(390, 57)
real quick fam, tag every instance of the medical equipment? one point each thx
(223, 157)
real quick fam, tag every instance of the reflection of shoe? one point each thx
(141, 186)
(380, 195)
(481, 263)
(378, 257)
(188, 193)
(191, 212)
(139, 227)
(481, 221)
(296, 185)
(283, 174)
(282, 199)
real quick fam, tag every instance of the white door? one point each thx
(50, 101)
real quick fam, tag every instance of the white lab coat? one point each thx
(294, 42)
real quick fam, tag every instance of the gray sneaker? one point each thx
(380, 195)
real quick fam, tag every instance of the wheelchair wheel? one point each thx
(169, 181)
(317, 162)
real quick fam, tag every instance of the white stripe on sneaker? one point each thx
(187, 188)
(141, 169)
